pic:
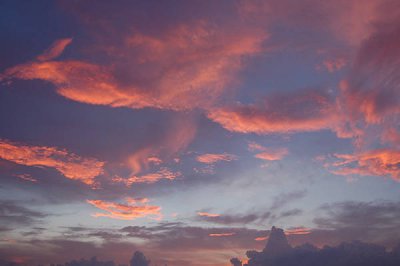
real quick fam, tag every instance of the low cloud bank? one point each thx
(278, 252)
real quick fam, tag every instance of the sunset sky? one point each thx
(186, 129)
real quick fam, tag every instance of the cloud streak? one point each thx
(133, 209)
(72, 166)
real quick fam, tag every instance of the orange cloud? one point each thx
(210, 158)
(222, 234)
(379, 162)
(56, 49)
(135, 208)
(298, 231)
(206, 214)
(164, 173)
(309, 111)
(70, 165)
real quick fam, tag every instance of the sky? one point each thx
(187, 129)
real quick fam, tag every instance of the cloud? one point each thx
(298, 231)
(374, 222)
(333, 65)
(221, 234)
(228, 219)
(188, 66)
(297, 112)
(151, 178)
(379, 162)
(268, 154)
(181, 131)
(279, 252)
(206, 214)
(26, 177)
(12, 214)
(211, 158)
(72, 166)
(56, 49)
(135, 208)
(284, 199)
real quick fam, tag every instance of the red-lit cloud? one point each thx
(380, 162)
(163, 173)
(206, 214)
(221, 234)
(301, 112)
(189, 66)
(181, 132)
(133, 209)
(211, 158)
(69, 164)
(298, 231)
(268, 154)
(56, 49)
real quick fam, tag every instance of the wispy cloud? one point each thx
(69, 164)
(211, 158)
(151, 178)
(133, 209)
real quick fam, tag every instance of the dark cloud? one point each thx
(279, 253)
(92, 262)
(375, 222)
(229, 219)
(12, 214)
(139, 259)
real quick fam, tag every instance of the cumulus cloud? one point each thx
(133, 209)
(72, 166)
(279, 252)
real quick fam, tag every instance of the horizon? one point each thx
(185, 129)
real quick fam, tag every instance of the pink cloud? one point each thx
(55, 50)
(298, 231)
(206, 214)
(189, 66)
(301, 112)
(133, 209)
(221, 234)
(379, 162)
(151, 178)
(211, 158)
(268, 154)
(72, 166)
